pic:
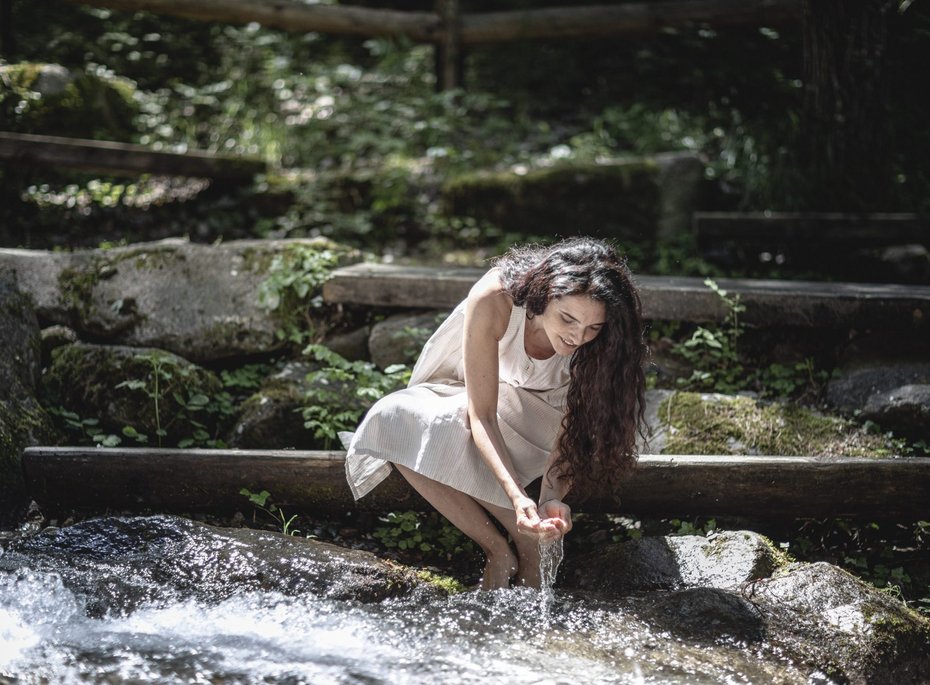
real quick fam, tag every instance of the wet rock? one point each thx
(199, 301)
(821, 615)
(121, 563)
(703, 614)
(398, 339)
(144, 388)
(727, 560)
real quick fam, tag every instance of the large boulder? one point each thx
(735, 587)
(120, 563)
(822, 615)
(270, 418)
(618, 200)
(22, 420)
(203, 302)
(725, 561)
(113, 390)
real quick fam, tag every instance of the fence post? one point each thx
(449, 58)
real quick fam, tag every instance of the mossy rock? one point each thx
(118, 387)
(619, 200)
(50, 99)
(695, 423)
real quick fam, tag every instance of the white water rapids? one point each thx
(53, 630)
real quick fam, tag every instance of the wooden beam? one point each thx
(292, 15)
(557, 22)
(601, 21)
(768, 302)
(809, 230)
(88, 478)
(123, 158)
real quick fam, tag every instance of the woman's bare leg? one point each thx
(527, 546)
(464, 512)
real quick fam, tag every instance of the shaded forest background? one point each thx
(357, 134)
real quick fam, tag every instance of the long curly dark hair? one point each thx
(606, 394)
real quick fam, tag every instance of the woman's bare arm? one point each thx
(487, 314)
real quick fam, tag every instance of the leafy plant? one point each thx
(262, 501)
(714, 352)
(427, 533)
(167, 383)
(342, 391)
(88, 429)
(292, 289)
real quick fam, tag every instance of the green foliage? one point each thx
(714, 351)
(887, 555)
(88, 429)
(694, 527)
(426, 533)
(292, 289)
(168, 380)
(262, 501)
(342, 391)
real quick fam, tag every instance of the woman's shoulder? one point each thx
(490, 301)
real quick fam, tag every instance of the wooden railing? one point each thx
(451, 30)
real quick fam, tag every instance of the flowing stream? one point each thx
(68, 621)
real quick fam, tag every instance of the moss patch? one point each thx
(616, 200)
(46, 98)
(699, 424)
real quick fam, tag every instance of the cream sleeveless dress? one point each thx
(425, 426)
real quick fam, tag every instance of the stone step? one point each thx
(61, 479)
(768, 302)
(809, 230)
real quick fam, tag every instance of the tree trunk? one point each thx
(845, 150)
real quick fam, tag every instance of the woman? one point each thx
(539, 372)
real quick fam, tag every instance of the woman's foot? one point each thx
(498, 570)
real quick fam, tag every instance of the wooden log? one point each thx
(602, 21)
(81, 478)
(768, 302)
(292, 15)
(809, 230)
(557, 22)
(123, 158)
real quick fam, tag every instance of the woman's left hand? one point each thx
(549, 521)
(556, 518)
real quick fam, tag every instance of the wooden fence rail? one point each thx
(123, 158)
(450, 30)
(486, 27)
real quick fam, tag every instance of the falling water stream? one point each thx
(60, 625)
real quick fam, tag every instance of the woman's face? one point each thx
(571, 321)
